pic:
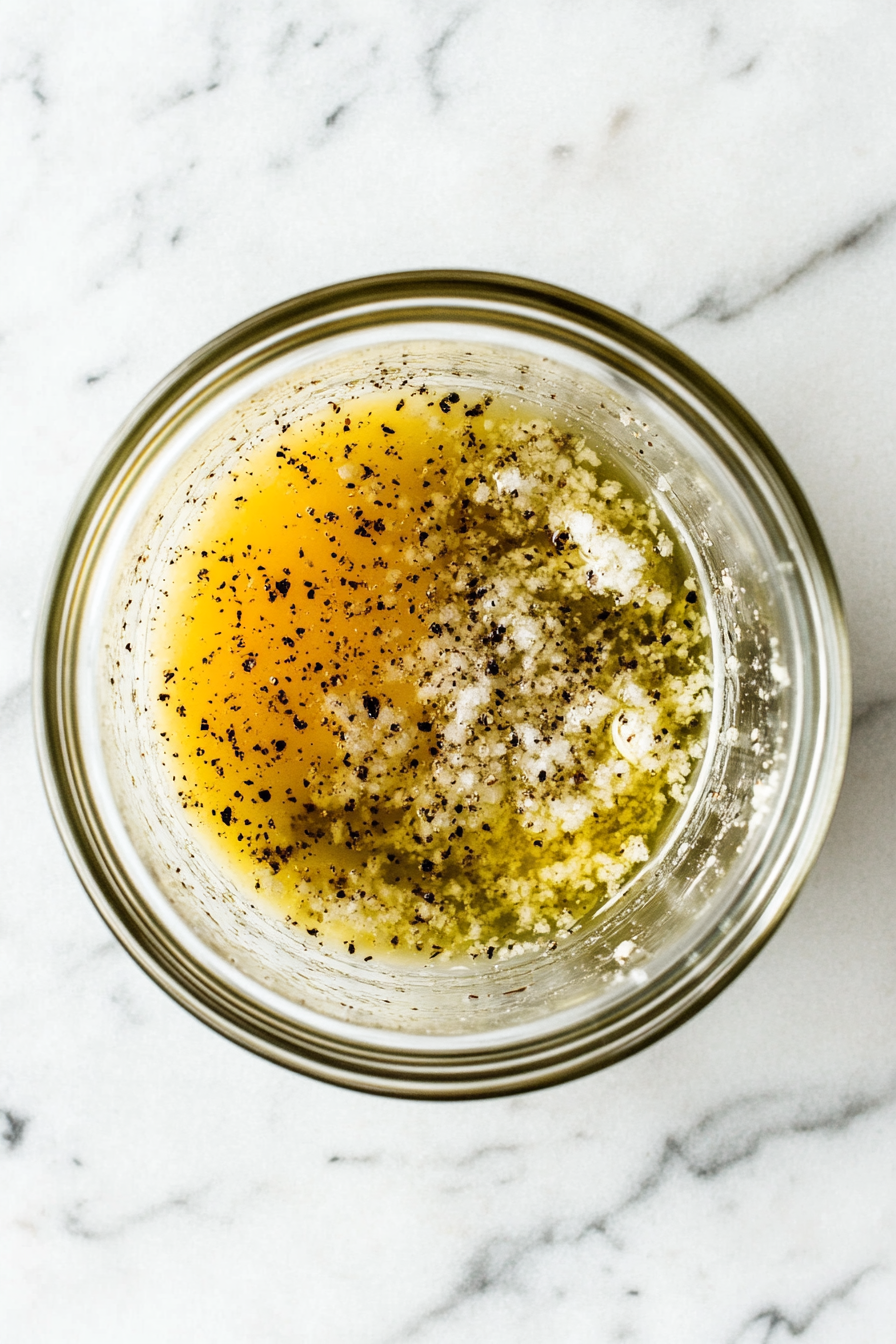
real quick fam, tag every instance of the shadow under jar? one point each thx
(733, 854)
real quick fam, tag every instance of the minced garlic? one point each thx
(429, 676)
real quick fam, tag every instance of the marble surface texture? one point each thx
(725, 172)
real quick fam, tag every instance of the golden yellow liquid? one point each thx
(287, 657)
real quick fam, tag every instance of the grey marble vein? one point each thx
(737, 1131)
(773, 1324)
(434, 54)
(14, 1126)
(285, 40)
(31, 74)
(871, 710)
(332, 117)
(487, 1152)
(85, 1229)
(726, 1137)
(718, 305)
(746, 68)
(209, 82)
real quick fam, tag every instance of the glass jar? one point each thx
(708, 898)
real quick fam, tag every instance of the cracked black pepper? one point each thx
(429, 676)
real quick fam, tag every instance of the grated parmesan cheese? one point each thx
(449, 685)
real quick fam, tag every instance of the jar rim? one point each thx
(369, 1058)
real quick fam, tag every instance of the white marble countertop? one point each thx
(725, 172)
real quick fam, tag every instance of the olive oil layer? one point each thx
(428, 677)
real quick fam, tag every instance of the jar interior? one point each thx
(742, 559)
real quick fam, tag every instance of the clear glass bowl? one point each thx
(694, 915)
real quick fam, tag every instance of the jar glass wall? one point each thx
(727, 870)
